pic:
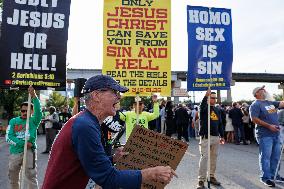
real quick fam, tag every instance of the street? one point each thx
(237, 166)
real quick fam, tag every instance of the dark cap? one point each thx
(102, 82)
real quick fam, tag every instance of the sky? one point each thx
(257, 29)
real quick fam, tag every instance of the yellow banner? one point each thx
(137, 45)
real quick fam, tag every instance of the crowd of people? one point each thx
(166, 118)
(83, 149)
(184, 121)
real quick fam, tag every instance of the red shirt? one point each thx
(64, 172)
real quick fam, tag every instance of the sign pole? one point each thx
(278, 163)
(26, 142)
(209, 124)
(137, 99)
(208, 140)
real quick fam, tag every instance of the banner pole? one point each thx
(209, 125)
(278, 163)
(208, 140)
(137, 108)
(282, 148)
(22, 183)
(25, 145)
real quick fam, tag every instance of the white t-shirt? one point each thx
(53, 118)
(245, 119)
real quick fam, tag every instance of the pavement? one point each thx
(2, 140)
(237, 167)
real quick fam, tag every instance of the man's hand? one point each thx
(222, 141)
(29, 145)
(119, 153)
(160, 173)
(208, 92)
(274, 128)
(155, 98)
(281, 105)
(31, 91)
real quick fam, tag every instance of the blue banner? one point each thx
(210, 48)
(33, 44)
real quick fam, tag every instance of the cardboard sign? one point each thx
(149, 149)
(137, 45)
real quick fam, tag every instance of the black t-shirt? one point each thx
(111, 124)
(64, 117)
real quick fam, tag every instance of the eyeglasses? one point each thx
(112, 90)
(213, 97)
(23, 111)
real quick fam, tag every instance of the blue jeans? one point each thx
(191, 131)
(269, 154)
(239, 133)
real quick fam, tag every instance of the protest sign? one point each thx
(149, 149)
(210, 48)
(33, 43)
(180, 92)
(137, 45)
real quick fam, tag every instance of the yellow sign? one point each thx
(137, 45)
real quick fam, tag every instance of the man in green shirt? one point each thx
(144, 117)
(15, 136)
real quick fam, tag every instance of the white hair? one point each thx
(268, 96)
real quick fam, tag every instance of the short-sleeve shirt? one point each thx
(267, 112)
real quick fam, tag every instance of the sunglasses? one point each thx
(23, 111)
(213, 97)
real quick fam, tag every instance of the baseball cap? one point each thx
(102, 82)
(255, 90)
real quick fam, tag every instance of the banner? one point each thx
(137, 45)
(210, 48)
(33, 44)
(180, 92)
(149, 149)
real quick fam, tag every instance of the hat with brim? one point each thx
(102, 82)
(255, 90)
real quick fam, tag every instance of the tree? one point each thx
(278, 97)
(1, 3)
(127, 102)
(56, 100)
(11, 100)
